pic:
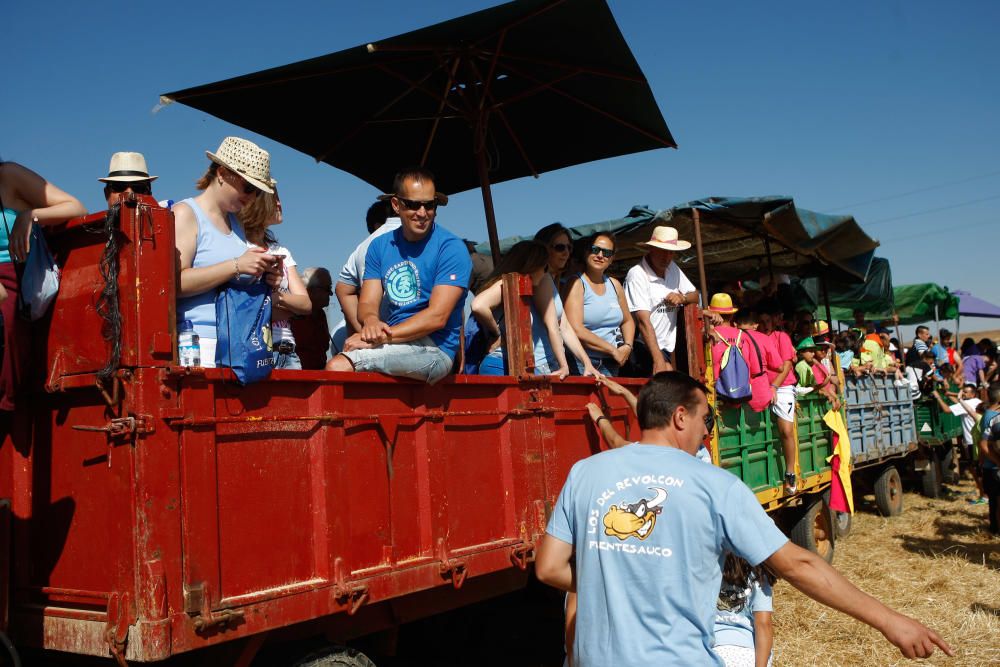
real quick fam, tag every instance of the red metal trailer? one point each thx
(164, 509)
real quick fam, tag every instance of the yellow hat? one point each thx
(820, 327)
(722, 303)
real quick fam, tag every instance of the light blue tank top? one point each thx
(540, 335)
(9, 216)
(213, 247)
(602, 314)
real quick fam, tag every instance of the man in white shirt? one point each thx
(655, 289)
(348, 287)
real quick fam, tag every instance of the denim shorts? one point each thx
(287, 360)
(495, 364)
(419, 360)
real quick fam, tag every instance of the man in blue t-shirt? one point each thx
(989, 455)
(422, 270)
(649, 525)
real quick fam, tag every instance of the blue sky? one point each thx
(835, 104)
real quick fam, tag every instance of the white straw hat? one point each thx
(246, 159)
(127, 167)
(666, 238)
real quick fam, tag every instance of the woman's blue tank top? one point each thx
(213, 247)
(602, 313)
(9, 216)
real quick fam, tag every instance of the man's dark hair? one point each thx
(663, 394)
(993, 393)
(969, 385)
(920, 330)
(946, 369)
(944, 333)
(377, 214)
(414, 173)
(745, 316)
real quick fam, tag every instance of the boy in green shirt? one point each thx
(807, 355)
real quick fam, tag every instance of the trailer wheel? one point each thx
(814, 530)
(949, 458)
(930, 480)
(335, 656)
(889, 492)
(842, 524)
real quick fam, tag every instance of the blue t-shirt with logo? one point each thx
(410, 270)
(650, 525)
(735, 610)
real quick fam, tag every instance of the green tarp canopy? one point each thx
(914, 304)
(874, 296)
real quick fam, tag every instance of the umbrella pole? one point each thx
(701, 258)
(826, 301)
(491, 218)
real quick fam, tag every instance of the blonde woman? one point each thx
(288, 293)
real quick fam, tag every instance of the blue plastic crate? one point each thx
(879, 418)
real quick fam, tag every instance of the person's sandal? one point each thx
(790, 486)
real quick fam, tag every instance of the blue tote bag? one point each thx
(243, 330)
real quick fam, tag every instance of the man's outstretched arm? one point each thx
(816, 578)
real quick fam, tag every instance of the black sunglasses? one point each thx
(562, 247)
(414, 205)
(138, 187)
(710, 422)
(604, 252)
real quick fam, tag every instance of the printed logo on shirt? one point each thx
(637, 519)
(402, 283)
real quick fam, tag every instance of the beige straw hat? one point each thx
(666, 238)
(127, 167)
(245, 158)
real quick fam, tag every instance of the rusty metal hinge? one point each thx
(522, 554)
(454, 568)
(352, 595)
(196, 604)
(116, 630)
(123, 426)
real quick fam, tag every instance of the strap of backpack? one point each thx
(760, 359)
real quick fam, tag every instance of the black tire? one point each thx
(814, 529)
(889, 492)
(930, 479)
(842, 522)
(948, 458)
(335, 656)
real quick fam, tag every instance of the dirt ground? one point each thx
(936, 562)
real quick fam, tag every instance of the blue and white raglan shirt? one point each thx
(409, 271)
(650, 525)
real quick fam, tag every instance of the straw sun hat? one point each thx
(666, 239)
(722, 303)
(127, 167)
(246, 159)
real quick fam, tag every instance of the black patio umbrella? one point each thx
(511, 91)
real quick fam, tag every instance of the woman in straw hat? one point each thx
(210, 239)
(26, 199)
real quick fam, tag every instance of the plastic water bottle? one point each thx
(188, 347)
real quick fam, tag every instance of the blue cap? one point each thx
(186, 325)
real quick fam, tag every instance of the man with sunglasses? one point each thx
(639, 534)
(422, 270)
(127, 173)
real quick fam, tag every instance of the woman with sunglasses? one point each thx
(289, 295)
(211, 244)
(25, 199)
(528, 258)
(596, 307)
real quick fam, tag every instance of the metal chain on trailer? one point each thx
(107, 303)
